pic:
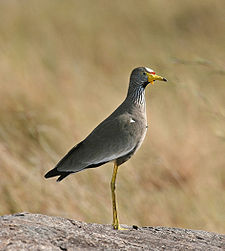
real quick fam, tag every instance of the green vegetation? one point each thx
(65, 66)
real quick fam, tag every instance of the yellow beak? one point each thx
(153, 77)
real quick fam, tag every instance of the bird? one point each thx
(115, 139)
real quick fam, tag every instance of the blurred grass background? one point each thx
(65, 66)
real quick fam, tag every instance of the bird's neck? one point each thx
(136, 95)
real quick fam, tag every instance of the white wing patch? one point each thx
(149, 70)
(132, 120)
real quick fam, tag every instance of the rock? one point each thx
(25, 231)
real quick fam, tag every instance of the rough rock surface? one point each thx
(25, 231)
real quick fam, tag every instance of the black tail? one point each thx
(54, 172)
(62, 174)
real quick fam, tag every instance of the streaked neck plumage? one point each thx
(136, 95)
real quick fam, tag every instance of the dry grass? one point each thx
(65, 65)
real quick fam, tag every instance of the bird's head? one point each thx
(144, 76)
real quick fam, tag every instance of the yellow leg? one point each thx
(113, 188)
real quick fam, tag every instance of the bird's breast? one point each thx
(136, 126)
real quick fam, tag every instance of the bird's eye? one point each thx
(144, 73)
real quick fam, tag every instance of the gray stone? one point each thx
(25, 231)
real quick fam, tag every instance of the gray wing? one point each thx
(113, 138)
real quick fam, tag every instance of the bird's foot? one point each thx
(118, 227)
(122, 228)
